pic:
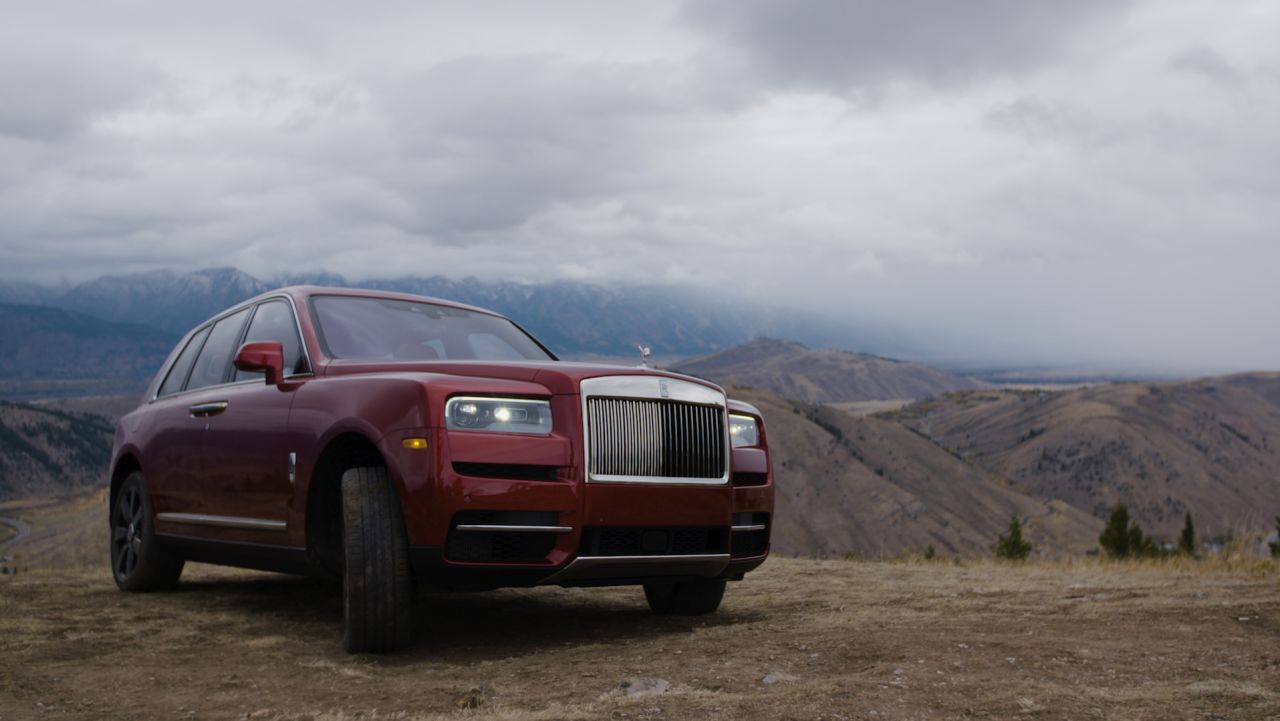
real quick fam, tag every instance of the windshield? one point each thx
(398, 330)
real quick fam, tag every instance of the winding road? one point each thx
(21, 529)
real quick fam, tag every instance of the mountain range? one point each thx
(947, 470)
(575, 320)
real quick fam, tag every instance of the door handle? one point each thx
(204, 410)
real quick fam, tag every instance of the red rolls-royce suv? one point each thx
(393, 440)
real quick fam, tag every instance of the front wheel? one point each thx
(376, 587)
(694, 597)
(138, 561)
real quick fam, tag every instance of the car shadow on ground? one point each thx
(467, 626)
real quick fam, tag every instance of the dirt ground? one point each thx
(797, 640)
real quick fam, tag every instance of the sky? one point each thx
(1087, 183)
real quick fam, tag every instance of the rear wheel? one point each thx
(138, 561)
(694, 597)
(376, 587)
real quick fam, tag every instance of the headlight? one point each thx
(743, 431)
(499, 415)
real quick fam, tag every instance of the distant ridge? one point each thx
(819, 375)
(38, 342)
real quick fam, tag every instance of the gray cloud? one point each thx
(850, 46)
(1208, 63)
(1061, 183)
(53, 93)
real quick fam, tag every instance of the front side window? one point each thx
(178, 372)
(398, 330)
(215, 358)
(274, 321)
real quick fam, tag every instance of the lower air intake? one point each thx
(653, 540)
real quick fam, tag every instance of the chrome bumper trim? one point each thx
(744, 529)
(499, 528)
(199, 519)
(604, 567)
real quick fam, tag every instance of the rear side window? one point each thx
(274, 321)
(178, 373)
(215, 358)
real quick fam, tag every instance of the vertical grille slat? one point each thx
(655, 438)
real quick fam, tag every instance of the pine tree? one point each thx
(1187, 541)
(1115, 537)
(1123, 538)
(1011, 545)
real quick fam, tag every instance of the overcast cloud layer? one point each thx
(1085, 183)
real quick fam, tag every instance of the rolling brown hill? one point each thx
(45, 450)
(1211, 447)
(820, 375)
(874, 488)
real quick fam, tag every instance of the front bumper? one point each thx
(464, 489)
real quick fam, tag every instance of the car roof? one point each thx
(302, 292)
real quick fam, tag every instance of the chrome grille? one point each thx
(655, 439)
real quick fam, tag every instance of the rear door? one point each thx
(169, 459)
(188, 415)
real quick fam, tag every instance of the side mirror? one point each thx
(265, 356)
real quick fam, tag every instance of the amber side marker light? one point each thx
(414, 444)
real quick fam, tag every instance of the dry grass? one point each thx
(1068, 639)
(1073, 638)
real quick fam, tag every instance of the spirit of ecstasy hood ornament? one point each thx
(644, 355)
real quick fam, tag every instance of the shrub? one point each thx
(1011, 544)
(1275, 546)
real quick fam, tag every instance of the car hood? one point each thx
(560, 377)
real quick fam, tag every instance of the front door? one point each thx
(245, 470)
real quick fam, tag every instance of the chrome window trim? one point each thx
(651, 387)
(201, 519)
(251, 303)
(187, 339)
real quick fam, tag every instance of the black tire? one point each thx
(138, 561)
(693, 597)
(376, 583)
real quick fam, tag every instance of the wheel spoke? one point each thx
(119, 533)
(122, 556)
